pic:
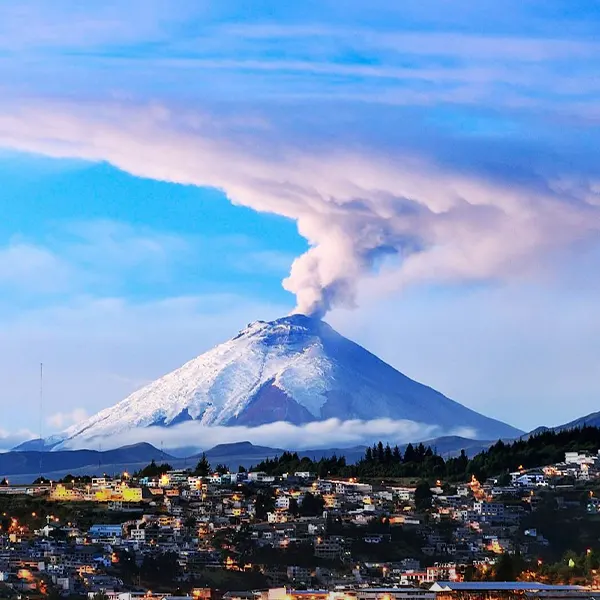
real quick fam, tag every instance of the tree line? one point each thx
(424, 462)
(419, 461)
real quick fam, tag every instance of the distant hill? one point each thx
(35, 445)
(247, 453)
(352, 455)
(29, 464)
(240, 449)
(23, 466)
(240, 453)
(591, 420)
(451, 445)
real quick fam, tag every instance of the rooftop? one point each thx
(527, 586)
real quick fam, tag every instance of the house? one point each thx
(330, 548)
(282, 502)
(296, 573)
(404, 494)
(101, 533)
(489, 511)
(531, 480)
(580, 458)
(259, 477)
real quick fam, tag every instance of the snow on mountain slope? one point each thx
(295, 369)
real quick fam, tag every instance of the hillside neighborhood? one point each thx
(212, 532)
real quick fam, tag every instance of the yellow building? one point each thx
(132, 494)
(64, 493)
(122, 493)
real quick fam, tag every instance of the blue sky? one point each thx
(177, 231)
(429, 168)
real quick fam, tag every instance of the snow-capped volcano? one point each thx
(295, 369)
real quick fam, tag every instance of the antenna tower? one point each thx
(41, 414)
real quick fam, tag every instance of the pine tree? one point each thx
(410, 454)
(423, 496)
(387, 455)
(380, 453)
(504, 569)
(203, 467)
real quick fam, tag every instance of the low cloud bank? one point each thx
(319, 434)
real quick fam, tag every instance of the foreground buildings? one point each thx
(293, 536)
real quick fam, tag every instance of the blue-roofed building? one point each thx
(105, 532)
(506, 590)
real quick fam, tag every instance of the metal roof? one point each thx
(401, 588)
(501, 586)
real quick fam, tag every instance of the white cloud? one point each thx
(320, 434)
(62, 420)
(79, 256)
(409, 62)
(29, 26)
(10, 439)
(101, 256)
(28, 266)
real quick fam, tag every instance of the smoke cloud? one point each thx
(375, 220)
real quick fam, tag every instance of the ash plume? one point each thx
(375, 219)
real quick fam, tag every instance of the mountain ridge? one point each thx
(25, 466)
(591, 420)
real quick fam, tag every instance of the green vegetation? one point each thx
(161, 571)
(265, 503)
(312, 505)
(566, 528)
(33, 512)
(203, 467)
(423, 462)
(571, 568)
(423, 496)
(290, 462)
(154, 470)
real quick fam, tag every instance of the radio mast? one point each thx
(41, 414)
